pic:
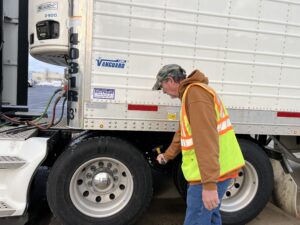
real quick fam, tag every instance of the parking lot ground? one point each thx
(171, 212)
(168, 208)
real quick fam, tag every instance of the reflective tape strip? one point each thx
(225, 131)
(222, 113)
(184, 129)
(218, 102)
(188, 142)
(183, 133)
(151, 108)
(223, 119)
(289, 114)
(224, 125)
(220, 106)
(187, 148)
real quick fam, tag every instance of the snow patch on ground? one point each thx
(54, 83)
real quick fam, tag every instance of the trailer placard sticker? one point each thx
(172, 116)
(113, 63)
(47, 6)
(103, 93)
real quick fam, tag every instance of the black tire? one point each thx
(256, 157)
(81, 159)
(256, 161)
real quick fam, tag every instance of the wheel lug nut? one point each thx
(98, 199)
(88, 175)
(109, 165)
(112, 196)
(115, 171)
(93, 168)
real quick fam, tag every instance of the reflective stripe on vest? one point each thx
(230, 155)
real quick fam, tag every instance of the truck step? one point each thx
(11, 162)
(5, 209)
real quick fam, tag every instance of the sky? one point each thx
(38, 66)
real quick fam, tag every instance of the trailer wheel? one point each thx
(249, 193)
(100, 180)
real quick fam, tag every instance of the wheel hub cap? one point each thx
(102, 181)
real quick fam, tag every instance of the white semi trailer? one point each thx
(100, 162)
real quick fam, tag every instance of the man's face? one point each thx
(170, 87)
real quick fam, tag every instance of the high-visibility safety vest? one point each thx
(230, 155)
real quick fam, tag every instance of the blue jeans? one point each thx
(196, 213)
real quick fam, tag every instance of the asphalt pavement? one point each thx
(38, 97)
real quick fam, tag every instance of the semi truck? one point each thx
(101, 157)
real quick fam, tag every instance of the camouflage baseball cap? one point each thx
(166, 71)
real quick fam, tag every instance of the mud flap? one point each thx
(286, 191)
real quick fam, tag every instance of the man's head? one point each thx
(169, 78)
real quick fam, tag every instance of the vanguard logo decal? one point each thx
(118, 63)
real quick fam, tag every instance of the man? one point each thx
(211, 155)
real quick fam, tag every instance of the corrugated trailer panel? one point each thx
(250, 54)
(244, 52)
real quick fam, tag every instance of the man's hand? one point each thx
(210, 199)
(161, 159)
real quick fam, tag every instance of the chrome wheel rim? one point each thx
(242, 190)
(101, 187)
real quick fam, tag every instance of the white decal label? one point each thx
(47, 6)
(103, 93)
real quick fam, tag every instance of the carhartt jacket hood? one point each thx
(195, 77)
